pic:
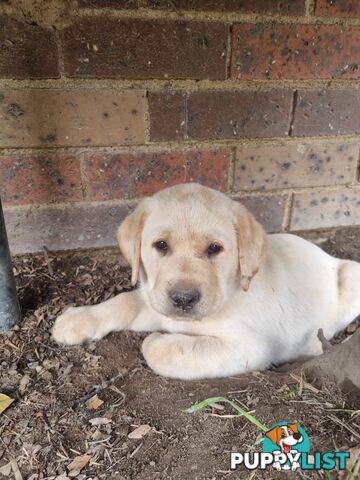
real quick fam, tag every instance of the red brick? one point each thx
(40, 179)
(167, 111)
(54, 117)
(128, 175)
(283, 51)
(268, 210)
(102, 47)
(295, 165)
(338, 8)
(237, 114)
(123, 4)
(327, 112)
(219, 114)
(27, 51)
(323, 209)
(288, 7)
(75, 226)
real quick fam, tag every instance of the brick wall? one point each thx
(105, 101)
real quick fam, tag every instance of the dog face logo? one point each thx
(286, 436)
(287, 441)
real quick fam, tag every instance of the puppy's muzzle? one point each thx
(184, 300)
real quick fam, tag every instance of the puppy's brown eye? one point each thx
(213, 249)
(161, 246)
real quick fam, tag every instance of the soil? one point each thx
(51, 423)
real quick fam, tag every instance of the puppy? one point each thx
(221, 296)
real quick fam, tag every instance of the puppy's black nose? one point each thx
(184, 299)
(297, 436)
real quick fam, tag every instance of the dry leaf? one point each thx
(16, 471)
(99, 421)
(5, 402)
(140, 431)
(6, 469)
(78, 464)
(94, 402)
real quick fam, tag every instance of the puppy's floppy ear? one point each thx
(274, 434)
(293, 427)
(251, 244)
(129, 238)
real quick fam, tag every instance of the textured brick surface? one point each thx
(214, 114)
(295, 165)
(338, 8)
(107, 3)
(237, 114)
(77, 226)
(268, 210)
(27, 51)
(321, 209)
(331, 112)
(167, 115)
(288, 7)
(39, 179)
(70, 117)
(281, 51)
(127, 175)
(102, 47)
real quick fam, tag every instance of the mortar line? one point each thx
(292, 112)
(310, 8)
(229, 53)
(215, 17)
(231, 170)
(186, 119)
(288, 208)
(84, 177)
(180, 145)
(154, 85)
(60, 53)
(135, 200)
(357, 174)
(147, 124)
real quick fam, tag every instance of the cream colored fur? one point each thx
(263, 297)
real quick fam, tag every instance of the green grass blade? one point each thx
(206, 403)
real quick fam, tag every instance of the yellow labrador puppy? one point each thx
(222, 297)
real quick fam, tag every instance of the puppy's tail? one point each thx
(349, 292)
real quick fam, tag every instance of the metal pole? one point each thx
(9, 304)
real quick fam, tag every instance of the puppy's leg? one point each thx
(125, 311)
(349, 293)
(189, 357)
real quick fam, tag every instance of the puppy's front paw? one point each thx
(163, 353)
(74, 326)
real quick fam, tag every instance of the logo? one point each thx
(286, 441)
(286, 446)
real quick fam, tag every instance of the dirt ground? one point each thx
(51, 421)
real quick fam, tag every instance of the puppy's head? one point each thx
(285, 436)
(191, 246)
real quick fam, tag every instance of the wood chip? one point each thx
(78, 464)
(94, 402)
(16, 471)
(100, 421)
(139, 432)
